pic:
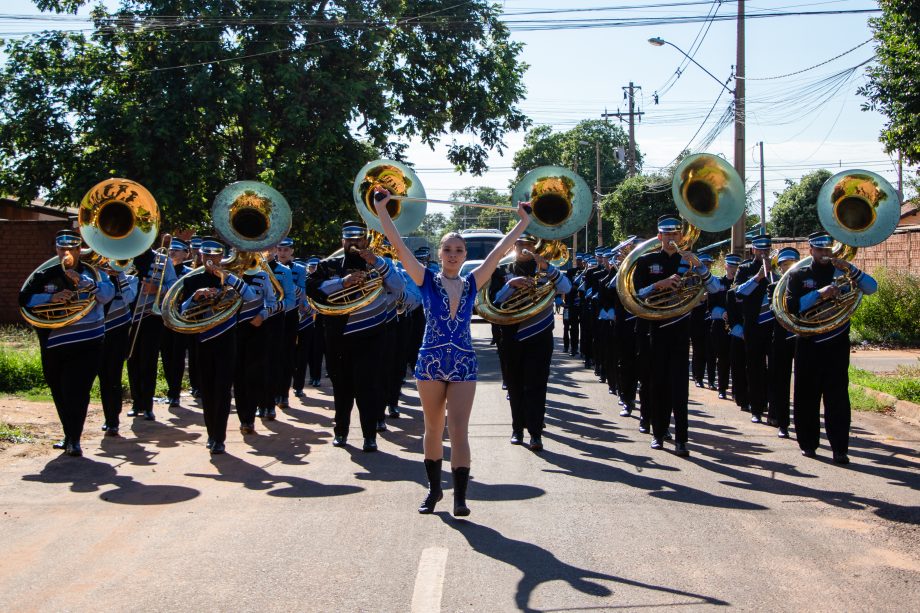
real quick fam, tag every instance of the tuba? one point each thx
(562, 204)
(858, 208)
(118, 220)
(406, 209)
(250, 217)
(710, 196)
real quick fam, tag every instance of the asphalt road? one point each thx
(598, 521)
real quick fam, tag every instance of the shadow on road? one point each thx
(86, 476)
(538, 566)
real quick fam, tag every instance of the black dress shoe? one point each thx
(339, 440)
(112, 431)
(299, 394)
(369, 445)
(626, 412)
(174, 402)
(722, 395)
(393, 411)
(536, 443)
(74, 450)
(698, 383)
(248, 428)
(134, 413)
(756, 419)
(841, 458)
(783, 433)
(210, 443)
(772, 422)
(809, 453)
(381, 425)
(61, 444)
(517, 438)
(611, 392)
(218, 448)
(284, 404)
(149, 416)
(504, 386)
(315, 383)
(657, 444)
(712, 386)
(668, 436)
(270, 414)
(602, 380)
(681, 450)
(643, 427)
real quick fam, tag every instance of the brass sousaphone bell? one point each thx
(118, 219)
(710, 196)
(250, 217)
(858, 208)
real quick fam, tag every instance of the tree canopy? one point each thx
(795, 212)
(463, 217)
(893, 88)
(186, 96)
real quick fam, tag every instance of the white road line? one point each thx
(429, 581)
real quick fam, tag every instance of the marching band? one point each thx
(252, 322)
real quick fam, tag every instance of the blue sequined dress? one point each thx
(447, 352)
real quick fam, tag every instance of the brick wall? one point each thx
(24, 245)
(900, 252)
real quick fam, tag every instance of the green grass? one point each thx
(861, 400)
(21, 368)
(12, 434)
(903, 385)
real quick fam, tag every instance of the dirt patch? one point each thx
(40, 422)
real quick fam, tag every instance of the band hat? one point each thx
(764, 241)
(195, 242)
(732, 260)
(526, 237)
(820, 240)
(354, 229)
(177, 244)
(705, 258)
(669, 223)
(287, 241)
(579, 257)
(788, 253)
(629, 240)
(67, 239)
(591, 260)
(211, 246)
(313, 261)
(422, 252)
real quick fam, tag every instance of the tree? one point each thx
(795, 212)
(186, 96)
(463, 217)
(544, 147)
(636, 204)
(893, 88)
(432, 228)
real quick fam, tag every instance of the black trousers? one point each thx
(669, 349)
(402, 332)
(288, 352)
(627, 359)
(502, 354)
(273, 329)
(570, 329)
(699, 336)
(111, 365)
(354, 367)
(783, 352)
(586, 323)
(643, 371)
(758, 341)
(142, 365)
(598, 349)
(309, 355)
(821, 373)
(248, 370)
(215, 357)
(173, 347)
(417, 332)
(609, 353)
(70, 371)
(194, 373)
(739, 373)
(528, 372)
(719, 355)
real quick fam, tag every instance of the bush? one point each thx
(20, 370)
(892, 314)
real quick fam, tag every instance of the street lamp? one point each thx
(737, 242)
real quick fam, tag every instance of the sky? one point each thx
(806, 120)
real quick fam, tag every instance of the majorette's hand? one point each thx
(381, 199)
(524, 210)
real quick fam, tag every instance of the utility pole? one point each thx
(597, 192)
(630, 118)
(763, 203)
(900, 176)
(738, 228)
(575, 235)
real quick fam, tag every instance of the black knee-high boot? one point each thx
(461, 479)
(435, 494)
